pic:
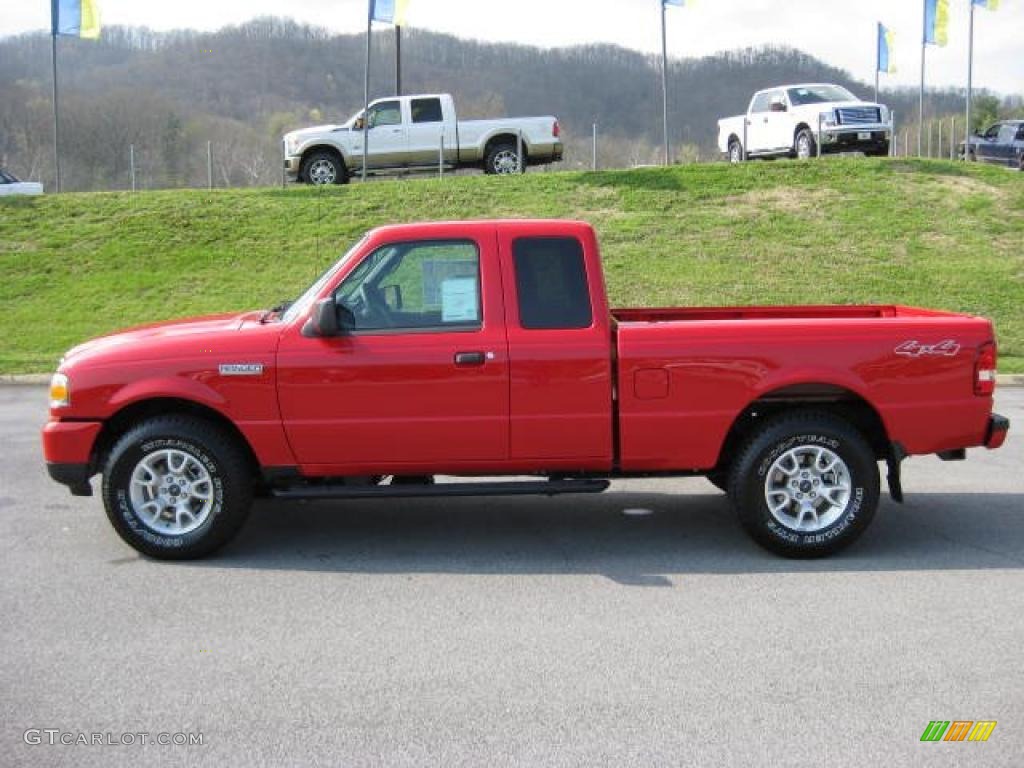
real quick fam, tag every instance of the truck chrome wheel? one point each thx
(506, 161)
(807, 488)
(804, 149)
(171, 492)
(322, 171)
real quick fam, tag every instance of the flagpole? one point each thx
(920, 108)
(56, 110)
(878, 54)
(664, 81)
(970, 77)
(366, 86)
(398, 60)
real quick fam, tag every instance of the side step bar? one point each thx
(529, 488)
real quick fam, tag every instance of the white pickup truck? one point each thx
(792, 120)
(410, 133)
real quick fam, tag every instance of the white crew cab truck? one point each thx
(411, 133)
(793, 120)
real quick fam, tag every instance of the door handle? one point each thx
(470, 358)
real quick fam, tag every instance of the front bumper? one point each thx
(68, 448)
(291, 168)
(837, 138)
(995, 435)
(74, 476)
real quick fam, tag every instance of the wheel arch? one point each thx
(801, 126)
(323, 147)
(504, 137)
(136, 411)
(836, 399)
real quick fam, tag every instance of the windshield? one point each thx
(305, 301)
(817, 94)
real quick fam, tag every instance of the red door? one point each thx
(421, 381)
(559, 336)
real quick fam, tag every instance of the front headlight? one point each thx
(60, 391)
(883, 114)
(827, 118)
(291, 144)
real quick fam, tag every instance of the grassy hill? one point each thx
(843, 231)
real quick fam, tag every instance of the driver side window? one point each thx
(425, 286)
(385, 113)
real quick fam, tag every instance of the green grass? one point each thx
(845, 230)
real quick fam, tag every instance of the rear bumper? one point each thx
(995, 435)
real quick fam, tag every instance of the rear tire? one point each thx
(735, 152)
(177, 488)
(503, 159)
(805, 485)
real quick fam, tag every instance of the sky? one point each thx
(839, 32)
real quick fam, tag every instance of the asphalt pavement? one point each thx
(638, 627)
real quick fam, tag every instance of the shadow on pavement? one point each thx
(592, 535)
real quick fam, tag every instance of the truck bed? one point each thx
(812, 312)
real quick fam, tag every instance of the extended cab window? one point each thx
(422, 286)
(386, 113)
(426, 111)
(551, 283)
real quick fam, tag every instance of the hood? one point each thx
(314, 131)
(158, 340)
(826, 106)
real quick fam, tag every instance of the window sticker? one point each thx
(459, 300)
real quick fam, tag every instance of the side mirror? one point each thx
(324, 320)
(393, 297)
(358, 124)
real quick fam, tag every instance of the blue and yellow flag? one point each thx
(936, 22)
(680, 3)
(75, 18)
(988, 4)
(885, 39)
(389, 11)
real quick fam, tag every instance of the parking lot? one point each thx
(639, 627)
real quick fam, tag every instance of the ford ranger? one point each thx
(419, 133)
(483, 349)
(798, 120)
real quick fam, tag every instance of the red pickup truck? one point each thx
(482, 349)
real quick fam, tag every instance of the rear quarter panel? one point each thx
(683, 384)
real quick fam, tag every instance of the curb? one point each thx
(1002, 380)
(25, 378)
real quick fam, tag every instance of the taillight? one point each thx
(985, 370)
(556, 129)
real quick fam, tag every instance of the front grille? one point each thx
(858, 115)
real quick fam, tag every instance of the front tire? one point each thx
(805, 147)
(177, 488)
(322, 168)
(805, 485)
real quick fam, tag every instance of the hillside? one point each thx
(242, 87)
(917, 232)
